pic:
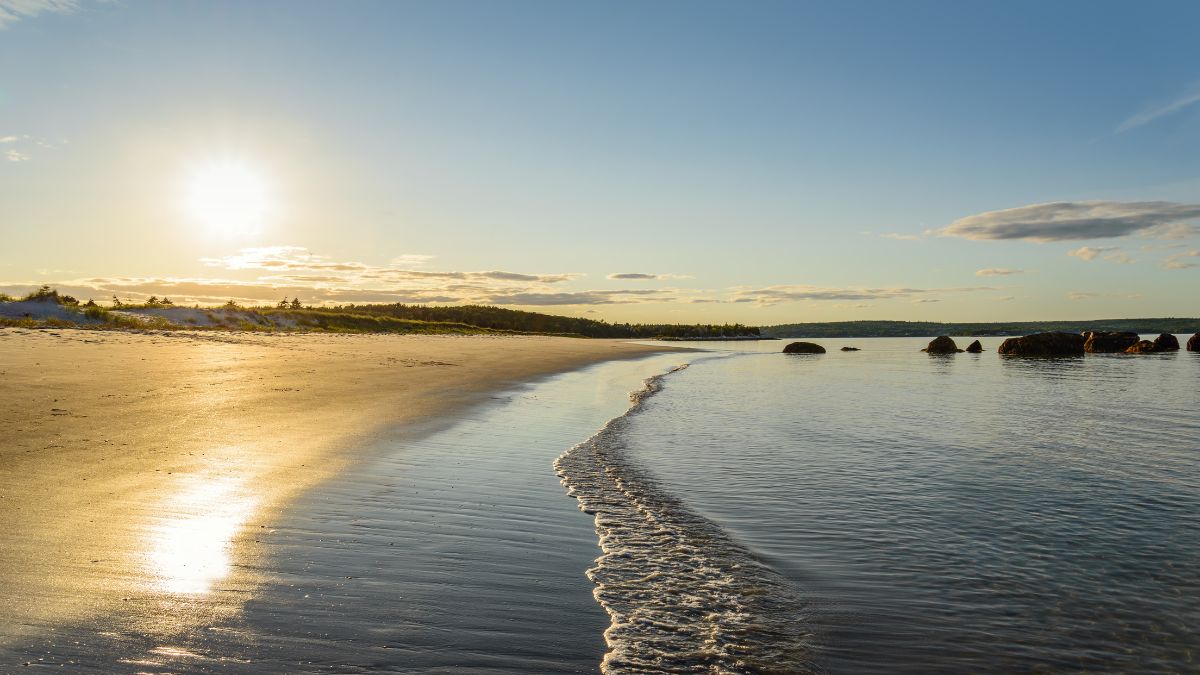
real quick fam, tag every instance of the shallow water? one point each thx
(454, 551)
(950, 514)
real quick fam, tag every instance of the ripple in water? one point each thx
(682, 596)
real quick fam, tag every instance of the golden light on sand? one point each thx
(190, 548)
(228, 198)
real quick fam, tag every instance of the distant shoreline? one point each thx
(863, 329)
(47, 308)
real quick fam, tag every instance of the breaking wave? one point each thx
(682, 596)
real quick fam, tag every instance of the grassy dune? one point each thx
(46, 308)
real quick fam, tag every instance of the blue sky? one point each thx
(763, 162)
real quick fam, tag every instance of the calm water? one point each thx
(928, 514)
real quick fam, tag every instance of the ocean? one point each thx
(888, 511)
(735, 509)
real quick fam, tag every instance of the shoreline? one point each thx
(453, 547)
(138, 467)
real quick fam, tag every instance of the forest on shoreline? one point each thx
(845, 329)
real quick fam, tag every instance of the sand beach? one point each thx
(138, 469)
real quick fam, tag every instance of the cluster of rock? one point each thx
(1163, 343)
(1092, 342)
(1045, 344)
(1108, 342)
(944, 344)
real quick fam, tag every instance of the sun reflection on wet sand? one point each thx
(190, 547)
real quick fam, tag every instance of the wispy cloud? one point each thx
(288, 263)
(1066, 221)
(266, 274)
(1090, 295)
(997, 272)
(771, 295)
(1150, 114)
(643, 276)
(411, 260)
(582, 298)
(1111, 254)
(19, 148)
(900, 236)
(1180, 261)
(1089, 252)
(12, 11)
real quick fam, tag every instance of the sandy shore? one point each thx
(135, 469)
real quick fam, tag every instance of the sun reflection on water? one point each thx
(190, 548)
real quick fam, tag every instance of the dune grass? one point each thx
(163, 314)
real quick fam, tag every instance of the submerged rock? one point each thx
(849, 349)
(1141, 347)
(1044, 344)
(942, 344)
(804, 348)
(975, 348)
(1166, 343)
(1193, 343)
(1108, 342)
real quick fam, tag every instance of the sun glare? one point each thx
(228, 198)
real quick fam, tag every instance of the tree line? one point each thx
(499, 318)
(839, 329)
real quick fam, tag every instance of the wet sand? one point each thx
(139, 473)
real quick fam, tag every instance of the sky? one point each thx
(761, 163)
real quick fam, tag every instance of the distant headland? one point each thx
(846, 329)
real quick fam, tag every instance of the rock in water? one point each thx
(804, 348)
(1193, 344)
(975, 348)
(1166, 343)
(1141, 347)
(849, 349)
(942, 345)
(1108, 342)
(1044, 344)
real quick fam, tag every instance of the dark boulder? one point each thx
(975, 348)
(1044, 344)
(1166, 343)
(1193, 344)
(1141, 347)
(849, 349)
(942, 345)
(804, 348)
(1108, 342)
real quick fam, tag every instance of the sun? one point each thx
(228, 198)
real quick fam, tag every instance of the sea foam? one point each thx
(682, 596)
